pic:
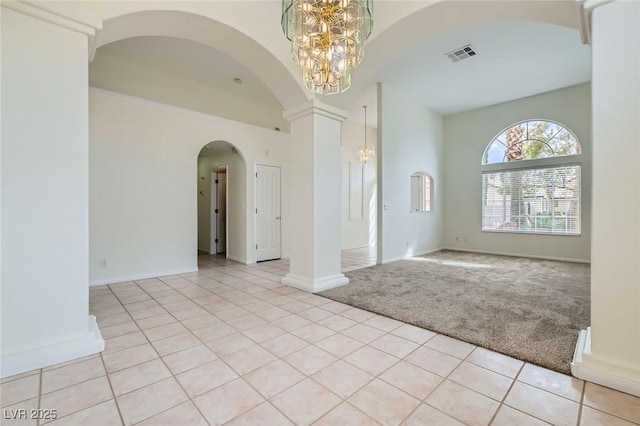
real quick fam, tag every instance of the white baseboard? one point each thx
(499, 253)
(314, 285)
(357, 247)
(142, 276)
(588, 366)
(393, 259)
(53, 352)
(238, 259)
(420, 253)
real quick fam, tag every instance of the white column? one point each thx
(315, 197)
(45, 193)
(608, 352)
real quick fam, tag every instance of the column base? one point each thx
(314, 285)
(590, 367)
(53, 352)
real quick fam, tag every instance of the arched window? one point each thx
(531, 180)
(421, 192)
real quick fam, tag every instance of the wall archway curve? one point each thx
(234, 146)
(431, 21)
(224, 37)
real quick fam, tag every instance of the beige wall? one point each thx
(411, 138)
(358, 187)
(143, 184)
(466, 137)
(118, 75)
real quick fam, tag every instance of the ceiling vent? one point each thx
(461, 53)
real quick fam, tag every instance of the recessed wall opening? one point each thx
(359, 183)
(221, 192)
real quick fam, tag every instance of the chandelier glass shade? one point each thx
(365, 152)
(327, 39)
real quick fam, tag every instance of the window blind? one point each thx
(536, 200)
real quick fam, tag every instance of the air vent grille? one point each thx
(461, 53)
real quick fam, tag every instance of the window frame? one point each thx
(497, 135)
(424, 177)
(531, 164)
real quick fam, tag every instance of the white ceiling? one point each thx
(193, 61)
(514, 60)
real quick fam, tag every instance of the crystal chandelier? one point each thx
(365, 153)
(327, 39)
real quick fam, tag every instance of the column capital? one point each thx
(65, 15)
(314, 106)
(56, 14)
(592, 4)
(586, 8)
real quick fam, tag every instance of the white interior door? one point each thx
(213, 216)
(218, 227)
(221, 219)
(268, 214)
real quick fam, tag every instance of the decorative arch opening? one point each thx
(221, 195)
(215, 34)
(417, 23)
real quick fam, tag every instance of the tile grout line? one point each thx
(269, 400)
(115, 400)
(513, 382)
(423, 400)
(106, 372)
(584, 389)
(78, 383)
(40, 373)
(537, 388)
(175, 379)
(240, 376)
(244, 278)
(444, 379)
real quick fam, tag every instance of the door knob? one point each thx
(278, 218)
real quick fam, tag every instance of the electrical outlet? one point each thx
(457, 238)
(103, 263)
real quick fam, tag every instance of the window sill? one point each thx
(555, 234)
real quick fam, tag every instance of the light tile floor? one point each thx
(230, 344)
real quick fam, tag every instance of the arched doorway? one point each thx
(219, 33)
(221, 195)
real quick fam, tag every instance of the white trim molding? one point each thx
(240, 260)
(314, 285)
(407, 256)
(314, 106)
(512, 254)
(590, 367)
(586, 7)
(46, 12)
(53, 352)
(144, 276)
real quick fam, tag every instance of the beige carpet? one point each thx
(529, 309)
